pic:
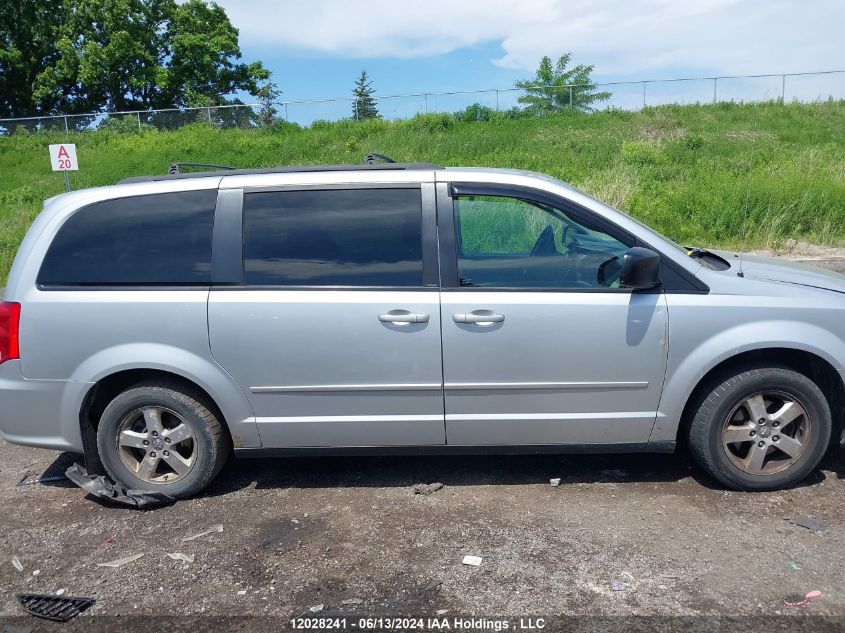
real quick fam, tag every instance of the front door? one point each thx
(540, 343)
(334, 332)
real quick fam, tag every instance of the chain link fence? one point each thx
(625, 95)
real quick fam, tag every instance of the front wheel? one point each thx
(162, 438)
(761, 429)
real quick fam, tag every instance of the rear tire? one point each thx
(764, 428)
(162, 437)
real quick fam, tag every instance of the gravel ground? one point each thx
(645, 535)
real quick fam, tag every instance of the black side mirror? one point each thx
(640, 269)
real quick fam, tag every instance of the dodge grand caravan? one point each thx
(158, 324)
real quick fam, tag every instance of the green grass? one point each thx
(682, 169)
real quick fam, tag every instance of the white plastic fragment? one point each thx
(442, 611)
(212, 530)
(242, 592)
(61, 592)
(120, 561)
(555, 482)
(350, 601)
(475, 561)
(316, 608)
(16, 563)
(36, 572)
(180, 556)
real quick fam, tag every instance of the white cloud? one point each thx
(619, 36)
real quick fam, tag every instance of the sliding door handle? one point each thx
(403, 317)
(478, 317)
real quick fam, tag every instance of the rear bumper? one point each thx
(42, 413)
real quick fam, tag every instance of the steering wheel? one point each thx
(609, 271)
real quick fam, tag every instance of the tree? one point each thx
(267, 95)
(93, 55)
(555, 88)
(364, 104)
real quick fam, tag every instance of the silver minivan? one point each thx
(158, 324)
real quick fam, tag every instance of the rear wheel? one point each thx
(163, 438)
(761, 429)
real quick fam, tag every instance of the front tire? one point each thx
(764, 428)
(162, 437)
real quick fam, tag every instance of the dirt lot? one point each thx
(622, 535)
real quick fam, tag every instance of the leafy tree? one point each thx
(475, 112)
(364, 105)
(267, 95)
(555, 88)
(120, 54)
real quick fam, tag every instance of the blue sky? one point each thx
(316, 48)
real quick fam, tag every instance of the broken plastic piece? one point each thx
(180, 556)
(120, 561)
(351, 601)
(55, 608)
(212, 530)
(427, 489)
(617, 586)
(812, 595)
(104, 488)
(25, 481)
(475, 561)
(316, 608)
(808, 523)
(555, 482)
(16, 563)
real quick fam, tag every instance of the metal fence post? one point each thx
(66, 128)
(570, 96)
(497, 101)
(286, 112)
(715, 80)
(783, 88)
(208, 111)
(356, 109)
(425, 98)
(644, 83)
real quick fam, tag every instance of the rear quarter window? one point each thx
(159, 239)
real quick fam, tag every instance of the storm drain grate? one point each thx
(56, 608)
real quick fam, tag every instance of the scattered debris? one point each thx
(555, 482)
(316, 608)
(617, 586)
(36, 572)
(242, 592)
(351, 601)
(813, 595)
(55, 608)
(795, 600)
(26, 481)
(214, 529)
(808, 523)
(442, 611)
(427, 489)
(101, 487)
(180, 556)
(16, 563)
(61, 592)
(475, 561)
(629, 576)
(120, 561)
(793, 565)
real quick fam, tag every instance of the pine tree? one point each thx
(555, 88)
(364, 104)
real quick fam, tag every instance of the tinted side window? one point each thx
(339, 237)
(513, 243)
(156, 239)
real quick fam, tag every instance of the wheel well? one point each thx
(813, 367)
(106, 389)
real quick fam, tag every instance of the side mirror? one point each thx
(640, 269)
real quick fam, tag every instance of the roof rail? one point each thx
(282, 170)
(176, 168)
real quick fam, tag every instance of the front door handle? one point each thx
(478, 317)
(403, 317)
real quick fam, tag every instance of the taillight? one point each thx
(10, 318)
